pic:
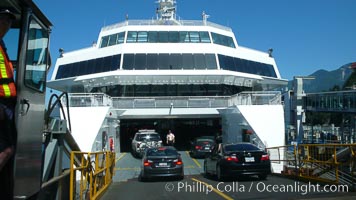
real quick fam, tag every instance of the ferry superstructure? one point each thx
(190, 76)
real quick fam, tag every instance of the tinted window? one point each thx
(174, 37)
(128, 61)
(229, 63)
(163, 61)
(162, 151)
(199, 61)
(194, 37)
(91, 66)
(241, 147)
(113, 39)
(239, 65)
(142, 37)
(223, 40)
(140, 61)
(204, 37)
(131, 37)
(104, 41)
(60, 72)
(115, 62)
(99, 65)
(75, 69)
(68, 70)
(121, 38)
(210, 61)
(152, 36)
(222, 61)
(152, 61)
(83, 68)
(176, 61)
(246, 66)
(188, 61)
(107, 62)
(183, 36)
(205, 140)
(163, 37)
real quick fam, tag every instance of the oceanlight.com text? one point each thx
(261, 187)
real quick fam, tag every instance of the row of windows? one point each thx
(170, 90)
(111, 40)
(109, 63)
(166, 37)
(164, 61)
(223, 40)
(246, 66)
(333, 101)
(169, 61)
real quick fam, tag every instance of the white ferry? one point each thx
(188, 76)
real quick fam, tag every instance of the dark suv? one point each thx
(145, 139)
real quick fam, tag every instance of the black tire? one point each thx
(141, 178)
(206, 173)
(219, 175)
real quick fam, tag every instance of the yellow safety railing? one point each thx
(90, 174)
(334, 163)
(330, 163)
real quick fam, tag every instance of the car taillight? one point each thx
(197, 147)
(265, 157)
(231, 158)
(147, 163)
(178, 161)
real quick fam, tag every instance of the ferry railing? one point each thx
(326, 163)
(88, 100)
(257, 98)
(335, 163)
(94, 173)
(160, 22)
(244, 98)
(167, 102)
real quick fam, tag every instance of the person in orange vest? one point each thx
(8, 134)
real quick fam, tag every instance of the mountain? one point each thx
(326, 80)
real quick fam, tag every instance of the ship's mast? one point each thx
(166, 10)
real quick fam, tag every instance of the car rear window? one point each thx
(154, 137)
(162, 152)
(205, 140)
(241, 147)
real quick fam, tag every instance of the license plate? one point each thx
(207, 148)
(163, 164)
(249, 159)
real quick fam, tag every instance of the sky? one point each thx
(306, 35)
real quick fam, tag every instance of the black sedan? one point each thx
(236, 160)
(161, 162)
(202, 146)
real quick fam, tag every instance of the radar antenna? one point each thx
(166, 10)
